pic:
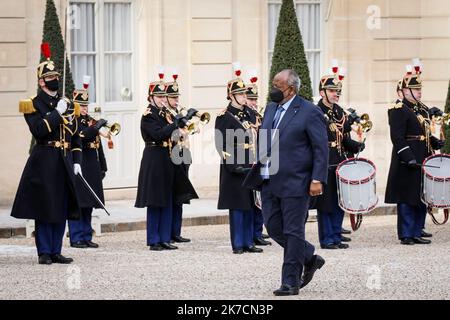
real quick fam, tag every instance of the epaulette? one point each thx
(26, 106)
(397, 105)
(225, 155)
(147, 112)
(77, 109)
(221, 113)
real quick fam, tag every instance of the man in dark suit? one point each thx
(292, 166)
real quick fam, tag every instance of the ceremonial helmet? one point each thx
(82, 95)
(236, 85)
(333, 81)
(252, 88)
(172, 89)
(158, 88)
(46, 68)
(412, 80)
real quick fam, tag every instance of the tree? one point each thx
(289, 51)
(447, 128)
(53, 35)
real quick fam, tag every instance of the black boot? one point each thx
(262, 242)
(180, 239)
(168, 246)
(58, 258)
(45, 259)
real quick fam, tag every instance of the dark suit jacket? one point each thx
(301, 150)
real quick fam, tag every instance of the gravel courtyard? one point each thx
(375, 267)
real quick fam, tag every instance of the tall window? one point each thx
(83, 45)
(106, 56)
(310, 23)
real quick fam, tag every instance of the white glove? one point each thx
(62, 106)
(77, 169)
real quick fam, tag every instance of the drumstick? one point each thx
(359, 151)
(422, 165)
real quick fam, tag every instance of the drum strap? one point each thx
(355, 221)
(435, 221)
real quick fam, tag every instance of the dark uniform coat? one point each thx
(158, 178)
(47, 185)
(336, 154)
(404, 182)
(237, 157)
(182, 159)
(93, 165)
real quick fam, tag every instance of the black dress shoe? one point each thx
(345, 239)
(156, 247)
(265, 236)
(262, 242)
(345, 231)
(253, 249)
(180, 239)
(79, 245)
(238, 251)
(407, 241)
(421, 241)
(286, 290)
(58, 258)
(45, 259)
(91, 244)
(168, 246)
(425, 234)
(342, 246)
(310, 268)
(329, 246)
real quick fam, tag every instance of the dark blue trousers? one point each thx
(285, 220)
(258, 223)
(330, 224)
(177, 220)
(49, 237)
(241, 228)
(410, 220)
(81, 230)
(159, 224)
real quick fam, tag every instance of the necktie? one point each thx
(277, 117)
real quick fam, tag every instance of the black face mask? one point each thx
(52, 85)
(276, 95)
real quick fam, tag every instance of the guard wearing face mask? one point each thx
(46, 191)
(235, 143)
(329, 215)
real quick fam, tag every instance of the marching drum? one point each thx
(436, 181)
(356, 186)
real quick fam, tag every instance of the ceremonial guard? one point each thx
(157, 189)
(329, 215)
(409, 122)
(46, 191)
(235, 142)
(181, 157)
(94, 170)
(258, 222)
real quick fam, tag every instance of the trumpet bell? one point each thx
(114, 129)
(205, 118)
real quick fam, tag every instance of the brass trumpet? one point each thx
(194, 126)
(362, 121)
(113, 129)
(440, 117)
